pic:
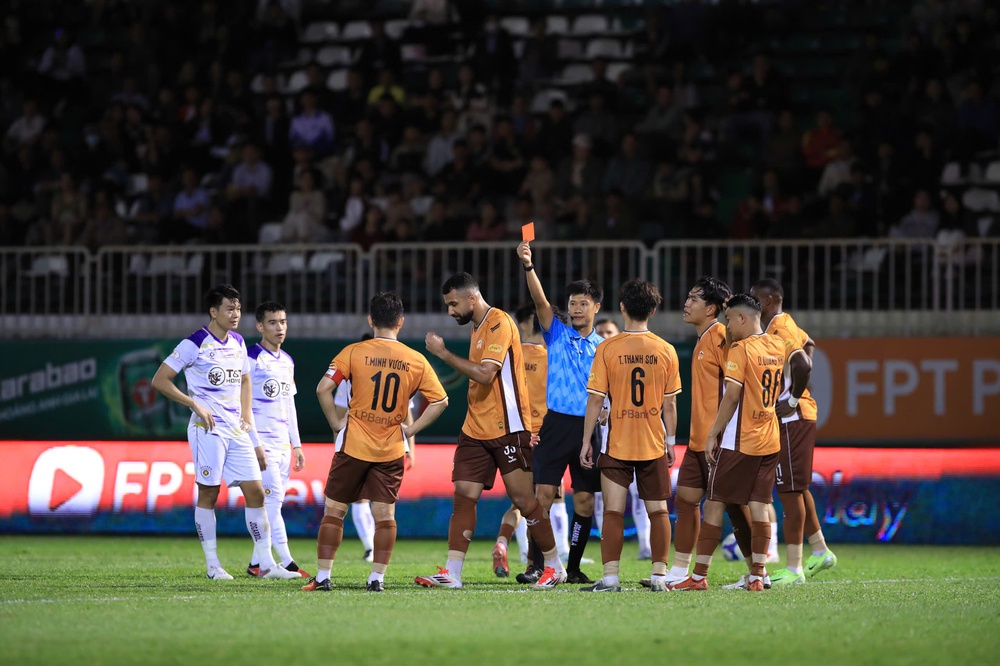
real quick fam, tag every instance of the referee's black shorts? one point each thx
(558, 446)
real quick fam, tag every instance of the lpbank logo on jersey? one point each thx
(66, 480)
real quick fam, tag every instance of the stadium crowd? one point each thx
(171, 122)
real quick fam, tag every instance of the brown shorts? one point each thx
(652, 477)
(740, 479)
(478, 460)
(351, 479)
(795, 460)
(694, 470)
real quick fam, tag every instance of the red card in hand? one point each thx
(528, 232)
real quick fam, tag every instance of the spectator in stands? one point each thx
(488, 226)
(578, 181)
(493, 57)
(540, 58)
(151, 211)
(627, 172)
(837, 172)
(351, 105)
(751, 220)
(439, 150)
(275, 36)
(599, 84)
(522, 212)
(507, 160)
(768, 90)
(249, 193)
(410, 154)
(685, 91)
(977, 121)
(879, 122)
(69, 213)
(555, 133)
(479, 148)
(783, 151)
(539, 182)
(388, 122)
(665, 119)
(312, 128)
(598, 124)
(471, 99)
(859, 195)
(366, 145)
(372, 230)
(819, 145)
(26, 129)
(461, 179)
(921, 222)
(386, 86)
(438, 226)
(103, 227)
(792, 223)
(955, 219)
(926, 162)
(191, 208)
(379, 52)
(354, 209)
(888, 179)
(614, 219)
(838, 222)
(63, 65)
(521, 120)
(934, 110)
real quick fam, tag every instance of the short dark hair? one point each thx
(713, 291)
(771, 285)
(268, 306)
(585, 288)
(526, 312)
(742, 300)
(606, 320)
(385, 309)
(213, 297)
(640, 299)
(460, 281)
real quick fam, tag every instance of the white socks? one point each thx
(641, 519)
(772, 548)
(560, 527)
(260, 532)
(364, 523)
(454, 568)
(521, 532)
(204, 522)
(678, 572)
(279, 537)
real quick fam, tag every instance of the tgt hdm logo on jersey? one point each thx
(218, 376)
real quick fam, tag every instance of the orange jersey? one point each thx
(536, 369)
(708, 363)
(794, 339)
(500, 407)
(384, 375)
(755, 366)
(634, 372)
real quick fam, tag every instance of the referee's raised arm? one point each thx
(543, 309)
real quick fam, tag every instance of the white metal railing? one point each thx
(849, 280)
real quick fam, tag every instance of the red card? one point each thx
(528, 232)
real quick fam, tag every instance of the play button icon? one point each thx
(66, 480)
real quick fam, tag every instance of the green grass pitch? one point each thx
(106, 600)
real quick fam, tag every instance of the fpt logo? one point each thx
(66, 480)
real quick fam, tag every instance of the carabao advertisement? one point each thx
(863, 495)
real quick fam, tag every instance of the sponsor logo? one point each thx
(495, 348)
(49, 378)
(66, 480)
(271, 388)
(218, 376)
(479, 344)
(730, 365)
(700, 354)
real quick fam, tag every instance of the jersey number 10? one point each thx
(391, 391)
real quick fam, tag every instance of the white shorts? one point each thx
(275, 477)
(217, 458)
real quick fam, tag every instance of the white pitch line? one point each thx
(520, 590)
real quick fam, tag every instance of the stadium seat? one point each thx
(194, 265)
(269, 233)
(337, 80)
(285, 262)
(992, 176)
(297, 82)
(517, 26)
(569, 49)
(576, 74)
(616, 69)
(137, 184)
(557, 25)
(320, 262)
(356, 31)
(257, 85)
(978, 200)
(328, 56)
(396, 27)
(49, 265)
(591, 24)
(604, 48)
(543, 98)
(321, 31)
(164, 264)
(951, 175)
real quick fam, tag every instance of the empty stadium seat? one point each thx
(569, 49)
(591, 24)
(605, 48)
(321, 31)
(269, 233)
(49, 265)
(992, 176)
(356, 31)
(543, 98)
(557, 25)
(321, 261)
(576, 74)
(328, 56)
(285, 262)
(517, 26)
(396, 27)
(337, 80)
(979, 200)
(297, 82)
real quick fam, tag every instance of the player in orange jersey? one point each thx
(637, 372)
(384, 373)
(496, 433)
(742, 467)
(797, 411)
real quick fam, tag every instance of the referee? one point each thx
(571, 353)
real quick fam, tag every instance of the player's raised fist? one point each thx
(434, 342)
(524, 253)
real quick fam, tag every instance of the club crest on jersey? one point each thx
(206, 471)
(479, 344)
(700, 354)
